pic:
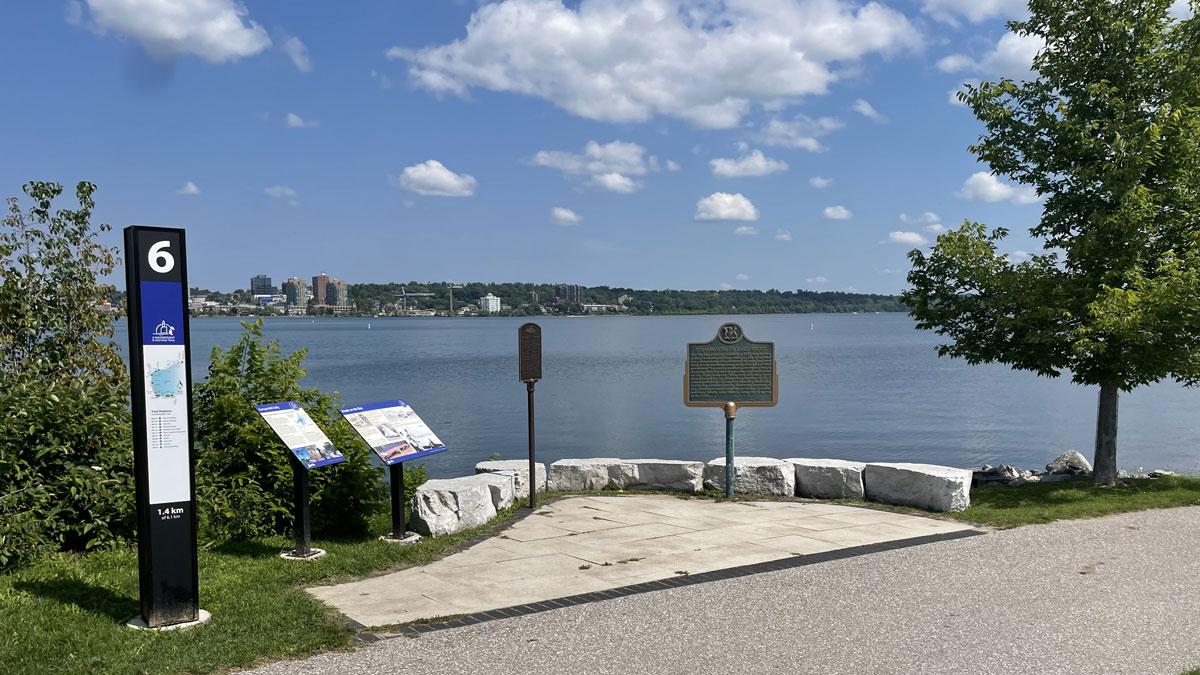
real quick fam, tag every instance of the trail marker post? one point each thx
(163, 446)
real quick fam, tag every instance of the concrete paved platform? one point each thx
(1109, 595)
(596, 543)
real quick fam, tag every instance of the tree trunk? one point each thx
(1104, 465)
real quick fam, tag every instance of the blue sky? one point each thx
(643, 143)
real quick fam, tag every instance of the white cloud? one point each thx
(802, 132)
(975, 11)
(73, 13)
(727, 287)
(1181, 9)
(725, 206)
(432, 179)
(837, 213)
(753, 164)
(189, 188)
(215, 30)
(862, 107)
(820, 183)
(926, 217)
(907, 238)
(298, 53)
(673, 166)
(985, 187)
(936, 228)
(816, 280)
(745, 230)
(384, 81)
(280, 192)
(294, 121)
(1019, 256)
(564, 216)
(615, 182)
(632, 60)
(283, 193)
(610, 165)
(783, 235)
(742, 277)
(1012, 57)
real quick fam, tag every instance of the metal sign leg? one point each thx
(730, 413)
(532, 451)
(300, 493)
(396, 477)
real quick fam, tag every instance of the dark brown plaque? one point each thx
(730, 368)
(529, 348)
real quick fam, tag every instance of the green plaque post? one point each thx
(730, 372)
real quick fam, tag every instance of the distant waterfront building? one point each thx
(489, 303)
(337, 293)
(571, 294)
(261, 284)
(533, 297)
(319, 284)
(296, 291)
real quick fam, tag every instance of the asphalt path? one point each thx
(1111, 595)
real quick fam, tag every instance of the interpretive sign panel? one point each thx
(300, 434)
(730, 368)
(529, 350)
(161, 397)
(393, 431)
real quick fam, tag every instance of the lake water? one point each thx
(866, 387)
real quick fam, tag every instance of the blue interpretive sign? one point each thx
(393, 430)
(311, 447)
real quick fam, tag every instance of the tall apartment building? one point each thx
(319, 285)
(337, 293)
(296, 291)
(571, 294)
(489, 303)
(261, 284)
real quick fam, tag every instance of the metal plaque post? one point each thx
(396, 476)
(730, 371)
(163, 444)
(730, 413)
(529, 351)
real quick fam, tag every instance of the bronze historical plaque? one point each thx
(529, 350)
(730, 368)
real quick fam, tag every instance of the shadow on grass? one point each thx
(251, 548)
(88, 597)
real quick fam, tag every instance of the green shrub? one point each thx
(65, 450)
(243, 474)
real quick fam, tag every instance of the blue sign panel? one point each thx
(393, 430)
(302, 436)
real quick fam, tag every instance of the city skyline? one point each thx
(779, 156)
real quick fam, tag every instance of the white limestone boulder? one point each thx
(828, 478)
(926, 486)
(753, 475)
(503, 487)
(446, 505)
(667, 474)
(521, 468)
(574, 475)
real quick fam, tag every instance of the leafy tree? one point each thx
(1107, 131)
(243, 472)
(65, 450)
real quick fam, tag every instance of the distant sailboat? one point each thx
(368, 325)
(812, 326)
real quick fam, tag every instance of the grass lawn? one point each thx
(1002, 506)
(68, 613)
